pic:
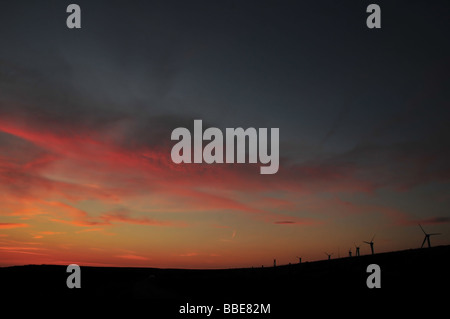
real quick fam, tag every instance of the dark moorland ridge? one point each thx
(407, 271)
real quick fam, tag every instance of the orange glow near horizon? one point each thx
(84, 198)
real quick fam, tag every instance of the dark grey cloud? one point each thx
(438, 220)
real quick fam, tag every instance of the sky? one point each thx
(86, 117)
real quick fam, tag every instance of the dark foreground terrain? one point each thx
(417, 273)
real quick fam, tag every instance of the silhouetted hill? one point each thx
(407, 272)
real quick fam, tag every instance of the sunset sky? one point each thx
(86, 117)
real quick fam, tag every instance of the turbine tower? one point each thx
(427, 237)
(371, 244)
(350, 252)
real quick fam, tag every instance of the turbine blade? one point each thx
(422, 229)
(373, 237)
(435, 234)
(366, 242)
(424, 240)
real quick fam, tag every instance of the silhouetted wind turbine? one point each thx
(357, 250)
(350, 252)
(329, 255)
(427, 237)
(299, 260)
(371, 244)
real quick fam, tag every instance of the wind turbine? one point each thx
(357, 250)
(427, 237)
(350, 252)
(299, 260)
(371, 244)
(329, 255)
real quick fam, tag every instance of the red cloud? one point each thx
(89, 163)
(124, 218)
(12, 225)
(284, 222)
(132, 257)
